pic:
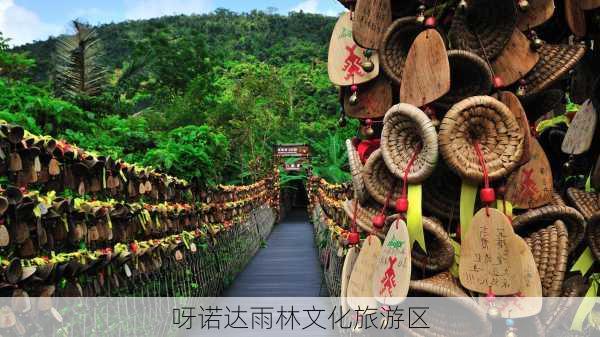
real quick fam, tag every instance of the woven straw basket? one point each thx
(540, 217)
(588, 203)
(405, 129)
(395, 45)
(555, 62)
(470, 76)
(356, 169)
(486, 120)
(440, 253)
(379, 181)
(484, 28)
(444, 285)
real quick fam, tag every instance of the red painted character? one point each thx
(352, 63)
(528, 186)
(389, 278)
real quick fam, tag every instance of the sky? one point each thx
(25, 21)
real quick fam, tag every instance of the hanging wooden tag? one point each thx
(487, 255)
(426, 74)
(528, 302)
(374, 99)
(81, 188)
(349, 261)
(581, 131)
(4, 236)
(360, 287)
(345, 60)
(392, 272)
(148, 186)
(37, 164)
(370, 21)
(575, 17)
(512, 102)
(53, 167)
(15, 164)
(178, 255)
(538, 12)
(589, 4)
(516, 60)
(142, 188)
(531, 185)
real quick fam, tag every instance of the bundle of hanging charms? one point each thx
(476, 155)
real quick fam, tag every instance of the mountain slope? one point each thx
(272, 38)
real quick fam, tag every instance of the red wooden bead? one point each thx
(498, 82)
(430, 22)
(354, 88)
(353, 238)
(487, 195)
(379, 221)
(401, 205)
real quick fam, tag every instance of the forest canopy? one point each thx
(200, 96)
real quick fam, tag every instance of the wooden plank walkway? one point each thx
(287, 267)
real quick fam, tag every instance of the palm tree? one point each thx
(79, 71)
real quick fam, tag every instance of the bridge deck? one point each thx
(287, 267)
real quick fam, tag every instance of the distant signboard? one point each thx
(293, 167)
(292, 150)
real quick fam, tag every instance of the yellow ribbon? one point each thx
(468, 194)
(456, 262)
(584, 262)
(548, 123)
(500, 204)
(414, 216)
(587, 304)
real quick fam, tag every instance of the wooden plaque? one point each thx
(392, 273)
(531, 185)
(487, 255)
(371, 20)
(360, 294)
(512, 102)
(4, 236)
(575, 17)
(426, 74)
(589, 4)
(581, 131)
(528, 302)
(539, 11)
(346, 272)
(516, 60)
(345, 59)
(374, 99)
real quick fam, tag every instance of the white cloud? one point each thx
(145, 9)
(333, 8)
(22, 25)
(308, 6)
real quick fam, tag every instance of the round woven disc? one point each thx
(470, 75)
(485, 120)
(484, 28)
(543, 216)
(555, 62)
(356, 169)
(379, 181)
(395, 45)
(406, 127)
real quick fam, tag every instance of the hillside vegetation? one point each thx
(202, 96)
